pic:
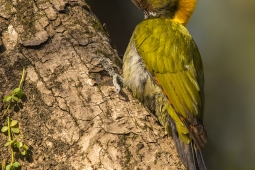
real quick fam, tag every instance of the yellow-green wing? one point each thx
(172, 58)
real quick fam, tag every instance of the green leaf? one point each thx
(15, 98)
(7, 98)
(18, 93)
(8, 143)
(24, 152)
(8, 167)
(13, 123)
(15, 130)
(25, 147)
(4, 129)
(16, 90)
(16, 164)
(19, 144)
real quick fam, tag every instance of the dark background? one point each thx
(225, 34)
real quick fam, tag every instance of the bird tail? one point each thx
(190, 156)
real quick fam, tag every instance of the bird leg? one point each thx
(110, 68)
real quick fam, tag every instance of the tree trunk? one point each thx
(72, 117)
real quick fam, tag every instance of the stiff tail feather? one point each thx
(190, 156)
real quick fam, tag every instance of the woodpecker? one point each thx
(162, 67)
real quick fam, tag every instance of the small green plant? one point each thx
(14, 142)
(16, 95)
(12, 129)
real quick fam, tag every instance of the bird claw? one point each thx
(109, 67)
(115, 82)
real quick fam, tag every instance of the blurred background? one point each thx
(225, 34)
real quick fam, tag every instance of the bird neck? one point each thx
(184, 11)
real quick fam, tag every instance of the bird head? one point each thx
(178, 10)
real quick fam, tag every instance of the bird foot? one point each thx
(109, 67)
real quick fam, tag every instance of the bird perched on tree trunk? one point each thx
(163, 69)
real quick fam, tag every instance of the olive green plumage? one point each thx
(171, 56)
(163, 69)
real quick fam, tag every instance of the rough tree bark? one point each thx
(72, 117)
